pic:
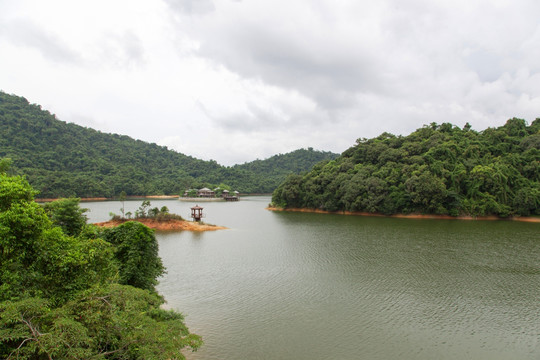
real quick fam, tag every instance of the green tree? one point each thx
(426, 193)
(22, 227)
(58, 296)
(142, 211)
(37, 258)
(67, 214)
(109, 322)
(5, 165)
(153, 212)
(136, 252)
(122, 198)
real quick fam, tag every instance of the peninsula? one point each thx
(438, 170)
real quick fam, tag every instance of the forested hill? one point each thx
(438, 169)
(61, 159)
(277, 166)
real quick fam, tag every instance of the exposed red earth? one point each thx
(409, 216)
(168, 225)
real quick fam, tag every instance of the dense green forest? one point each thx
(61, 160)
(438, 169)
(69, 290)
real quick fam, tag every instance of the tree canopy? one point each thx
(75, 295)
(67, 214)
(438, 169)
(136, 252)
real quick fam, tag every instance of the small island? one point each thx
(158, 219)
(164, 225)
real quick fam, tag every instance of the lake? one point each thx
(280, 285)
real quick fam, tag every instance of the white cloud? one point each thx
(234, 81)
(24, 33)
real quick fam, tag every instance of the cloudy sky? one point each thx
(239, 80)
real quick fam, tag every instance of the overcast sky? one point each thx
(239, 80)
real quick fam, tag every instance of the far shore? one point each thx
(167, 225)
(131, 197)
(137, 197)
(409, 216)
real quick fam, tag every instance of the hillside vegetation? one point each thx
(69, 290)
(438, 169)
(66, 160)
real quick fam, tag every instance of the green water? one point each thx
(313, 286)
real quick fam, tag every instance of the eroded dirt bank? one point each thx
(168, 225)
(408, 216)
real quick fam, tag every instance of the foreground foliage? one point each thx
(67, 214)
(136, 253)
(67, 160)
(78, 296)
(438, 169)
(111, 322)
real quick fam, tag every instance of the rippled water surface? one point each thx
(313, 286)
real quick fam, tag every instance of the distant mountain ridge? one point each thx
(62, 159)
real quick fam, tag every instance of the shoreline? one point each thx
(130, 197)
(138, 197)
(201, 199)
(167, 225)
(409, 216)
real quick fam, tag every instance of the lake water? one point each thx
(279, 285)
